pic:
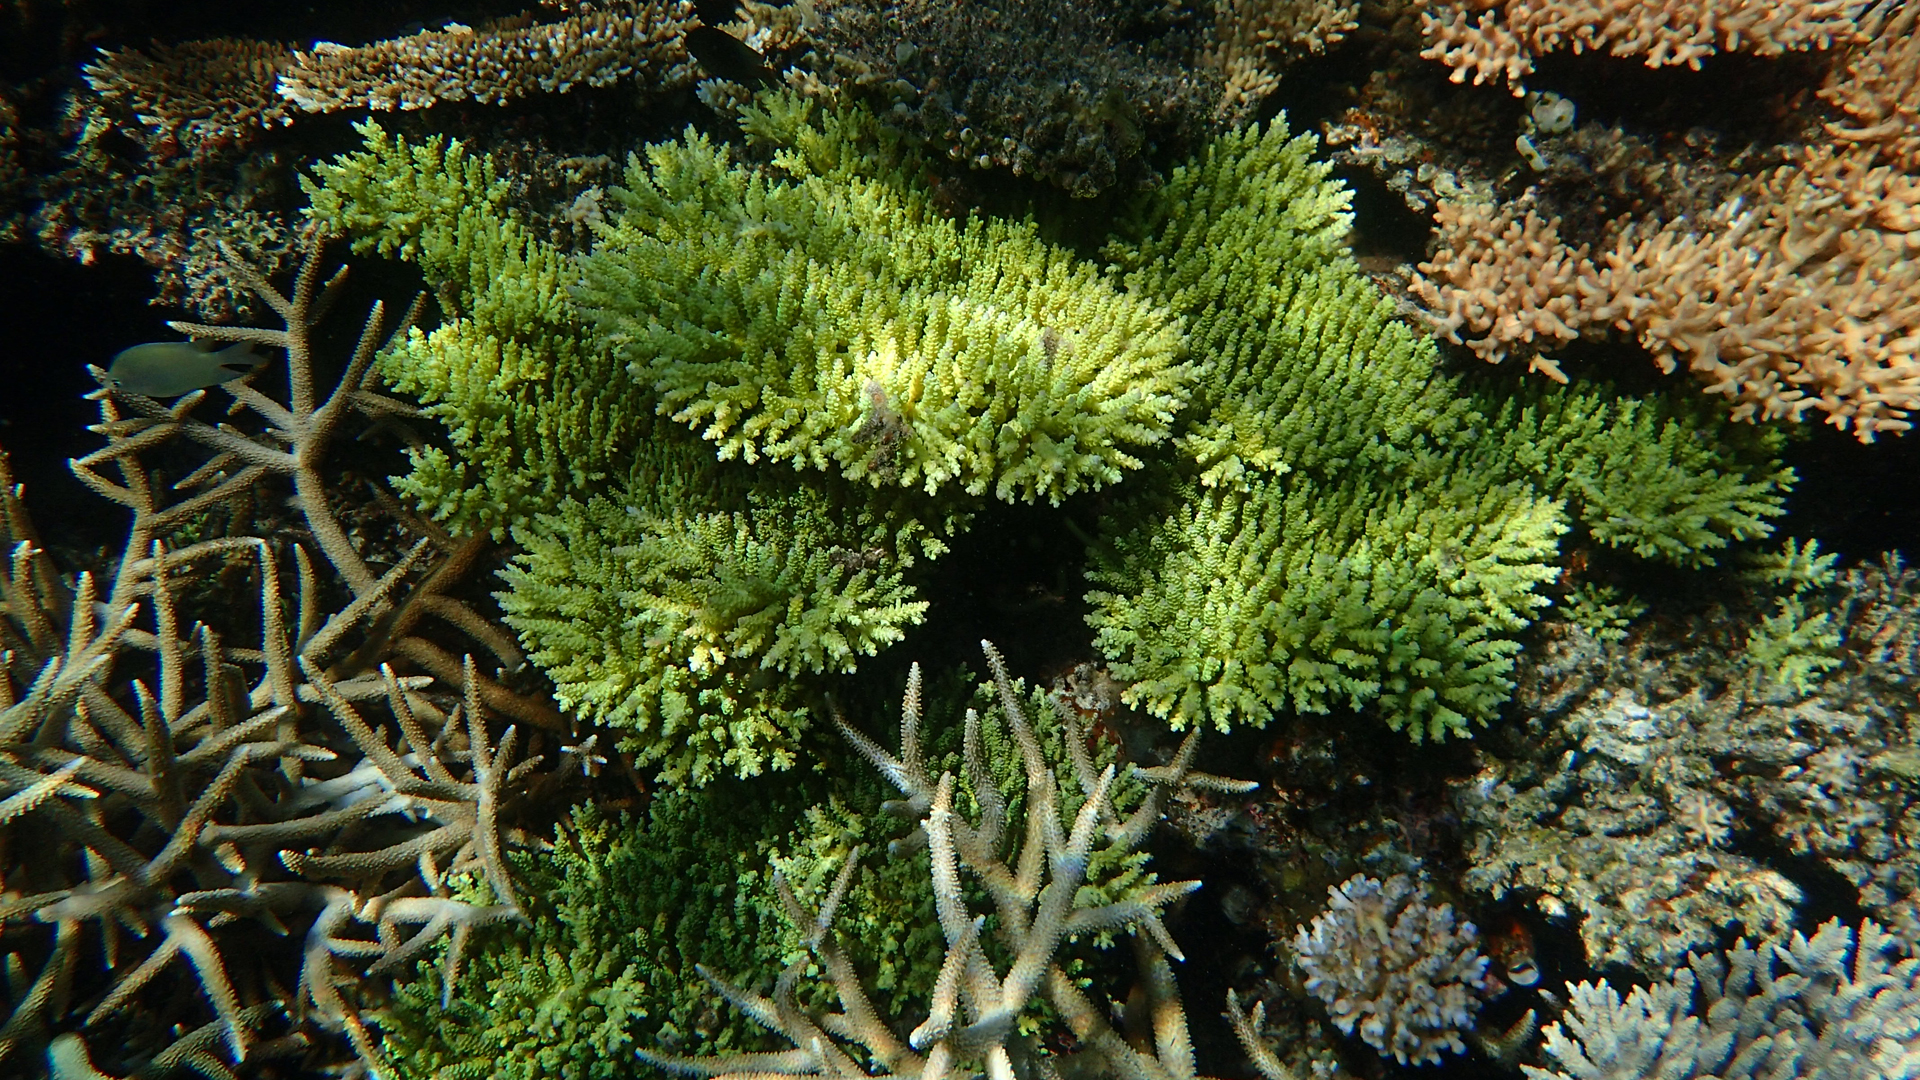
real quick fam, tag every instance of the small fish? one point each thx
(1512, 947)
(727, 57)
(163, 369)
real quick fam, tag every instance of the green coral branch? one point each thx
(1246, 601)
(1350, 526)
(1305, 364)
(531, 412)
(1667, 477)
(834, 320)
(680, 607)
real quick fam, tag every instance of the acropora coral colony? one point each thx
(729, 438)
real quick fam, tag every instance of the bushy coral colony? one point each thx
(530, 733)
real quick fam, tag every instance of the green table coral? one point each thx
(816, 311)
(823, 313)
(1347, 524)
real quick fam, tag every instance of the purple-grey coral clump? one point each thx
(1396, 969)
(1836, 1006)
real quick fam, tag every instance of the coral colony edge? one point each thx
(1298, 539)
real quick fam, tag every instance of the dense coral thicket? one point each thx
(678, 605)
(1839, 1004)
(1349, 524)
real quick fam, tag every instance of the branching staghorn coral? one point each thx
(1034, 884)
(1386, 548)
(732, 577)
(1254, 41)
(171, 794)
(295, 446)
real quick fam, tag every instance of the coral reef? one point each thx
(661, 610)
(1390, 964)
(732, 573)
(913, 319)
(1047, 397)
(175, 149)
(982, 357)
(1840, 1004)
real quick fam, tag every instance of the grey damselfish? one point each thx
(171, 368)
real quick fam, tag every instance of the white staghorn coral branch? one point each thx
(1035, 885)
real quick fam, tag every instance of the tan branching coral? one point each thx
(201, 747)
(497, 63)
(1254, 40)
(1490, 39)
(1799, 292)
(1031, 867)
(199, 96)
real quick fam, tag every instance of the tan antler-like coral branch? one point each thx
(598, 46)
(1488, 39)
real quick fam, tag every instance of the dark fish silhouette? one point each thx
(727, 57)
